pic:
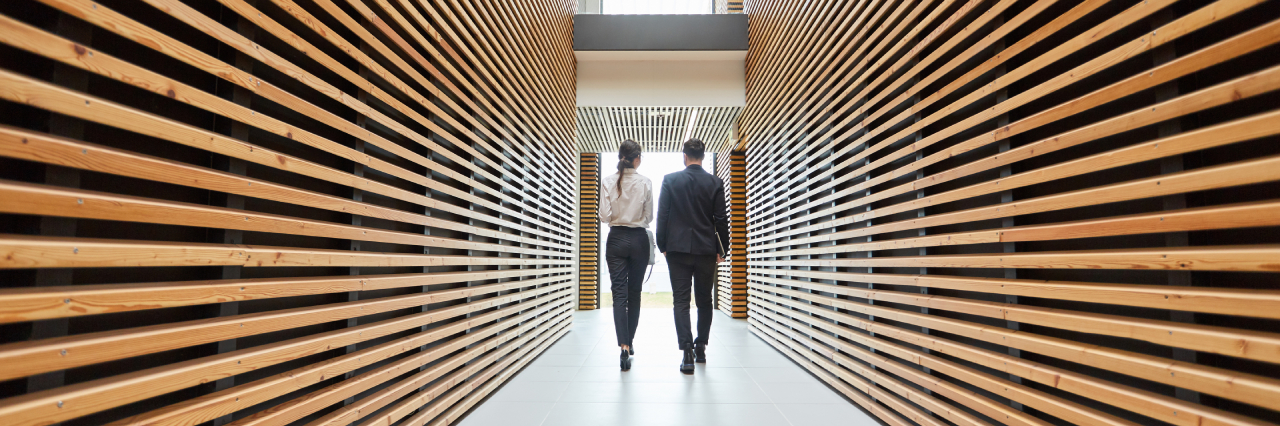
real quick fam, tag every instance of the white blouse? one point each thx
(633, 207)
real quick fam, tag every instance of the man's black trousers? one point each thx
(696, 272)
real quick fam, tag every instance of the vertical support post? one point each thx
(733, 279)
(239, 131)
(1006, 197)
(589, 242)
(73, 128)
(1174, 164)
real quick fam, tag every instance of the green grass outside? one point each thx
(647, 300)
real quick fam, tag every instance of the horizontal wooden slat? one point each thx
(111, 392)
(17, 143)
(271, 210)
(33, 357)
(71, 301)
(49, 252)
(1016, 211)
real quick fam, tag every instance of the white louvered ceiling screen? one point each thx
(657, 129)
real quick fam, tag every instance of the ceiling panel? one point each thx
(656, 128)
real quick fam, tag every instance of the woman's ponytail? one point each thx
(627, 154)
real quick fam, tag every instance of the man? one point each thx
(693, 232)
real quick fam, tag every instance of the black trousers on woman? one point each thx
(627, 255)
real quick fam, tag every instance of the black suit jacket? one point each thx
(691, 209)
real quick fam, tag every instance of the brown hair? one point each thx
(627, 154)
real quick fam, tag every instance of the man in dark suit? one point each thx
(693, 232)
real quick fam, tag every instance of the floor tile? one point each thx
(733, 415)
(508, 413)
(801, 393)
(620, 392)
(546, 374)
(745, 382)
(561, 349)
(528, 392)
(761, 358)
(727, 393)
(664, 374)
(614, 413)
(559, 360)
(789, 373)
(826, 415)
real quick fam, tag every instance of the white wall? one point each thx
(661, 79)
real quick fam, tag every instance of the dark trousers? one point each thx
(696, 272)
(627, 255)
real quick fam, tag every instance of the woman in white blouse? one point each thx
(626, 204)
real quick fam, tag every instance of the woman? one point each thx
(626, 204)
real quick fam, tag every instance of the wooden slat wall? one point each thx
(732, 281)
(255, 212)
(589, 243)
(1020, 212)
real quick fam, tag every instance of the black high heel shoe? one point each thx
(625, 360)
(631, 349)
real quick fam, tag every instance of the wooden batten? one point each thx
(591, 268)
(1017, 212)
(731, 282)
(271, 211)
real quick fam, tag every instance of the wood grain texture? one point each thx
(286, 210)
(1018, 212)
(731, 283)
(590, 242)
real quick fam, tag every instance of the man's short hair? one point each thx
(694, 148)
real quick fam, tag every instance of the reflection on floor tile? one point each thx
(745, 382)
(508, 413)
(546, 374)
(843, 413)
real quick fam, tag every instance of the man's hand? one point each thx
(719, 258)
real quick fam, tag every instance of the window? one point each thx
(657, 7)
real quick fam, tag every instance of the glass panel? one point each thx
(658, 7)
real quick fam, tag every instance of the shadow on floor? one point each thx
(745, 382)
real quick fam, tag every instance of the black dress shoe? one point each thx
(700, 353)
(625, 360)
(631, 349)
(686, 366)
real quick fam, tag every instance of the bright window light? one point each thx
(657, 7)
(688, 130)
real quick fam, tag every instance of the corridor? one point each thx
(744, 383)
(388, 212)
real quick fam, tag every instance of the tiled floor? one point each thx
(744, 382)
